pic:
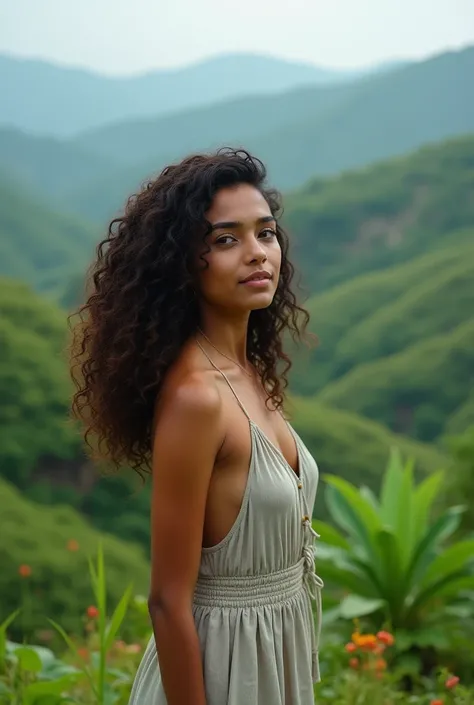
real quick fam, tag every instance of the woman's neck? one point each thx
(228, 337)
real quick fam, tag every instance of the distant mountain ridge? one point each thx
(308, 131)
(60, 101)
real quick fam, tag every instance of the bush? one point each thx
(44, 555)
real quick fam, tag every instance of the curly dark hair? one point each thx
(137, 318)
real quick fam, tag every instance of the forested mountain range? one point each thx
(316, 130)
(386, 253)
(40, 245)
(55, 100)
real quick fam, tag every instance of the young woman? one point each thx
(179, 361)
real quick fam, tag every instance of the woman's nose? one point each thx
(257, 252)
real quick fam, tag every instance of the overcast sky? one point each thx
(127, 36)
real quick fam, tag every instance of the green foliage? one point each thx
(38, 244)
(393, 557)
(390, 212)
(463, 417)
(34, 385)
(460, 481)
(40, 537)
(429, 307)
(34, 676)
(404, 391)
(337, 315)
(353, 447)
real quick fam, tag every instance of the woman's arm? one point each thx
(186, 442)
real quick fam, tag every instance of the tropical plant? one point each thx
(392, 560)
(33, 675)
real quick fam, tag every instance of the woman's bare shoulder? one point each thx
(190, 389)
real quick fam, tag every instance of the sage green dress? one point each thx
(254, 594)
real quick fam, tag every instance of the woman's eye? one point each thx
(269, 233)
(225, 240)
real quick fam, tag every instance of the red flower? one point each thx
(92, 612)
(24, 570)
(438, 701)
(354, 663)
(350, 647)
(72, 545)
(452, 682)
(386, 638)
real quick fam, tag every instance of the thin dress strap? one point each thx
(226, 379)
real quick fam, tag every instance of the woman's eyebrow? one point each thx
(237, 223)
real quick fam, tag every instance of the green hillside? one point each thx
(38, 536)
(38, 244)
(361, 310)
(299, 134)
(386, 213)
(354, 447)
(431, 307)
(48, 166)
(415, 391)
(34, 386)
(463, 418)
(389, 115)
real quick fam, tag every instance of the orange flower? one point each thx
(72, 545)
(452, 682)
(350, 647)
(24, 570)
(354, 663)
(367, 642)
(355, 638)
(92, 612)
(437, 701)
(386, 638)
(380, 664)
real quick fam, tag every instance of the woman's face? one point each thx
(244, 254)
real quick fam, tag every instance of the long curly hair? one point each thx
(142, 308)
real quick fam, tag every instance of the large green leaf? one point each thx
(330, 535)
(450, 561)
(370, 497)
(361, 506)
(28, 659)
(404, 521)
(117, 618)
(425, 495)
(354, 606)
(456, 587)
(3, 636)
(40, 689)
(344, 515)
(428, 547)
(347, 516)
(391, 570)
(432, 591)
(348, 578)
(391, 489)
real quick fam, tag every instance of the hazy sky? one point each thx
(126, 36)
